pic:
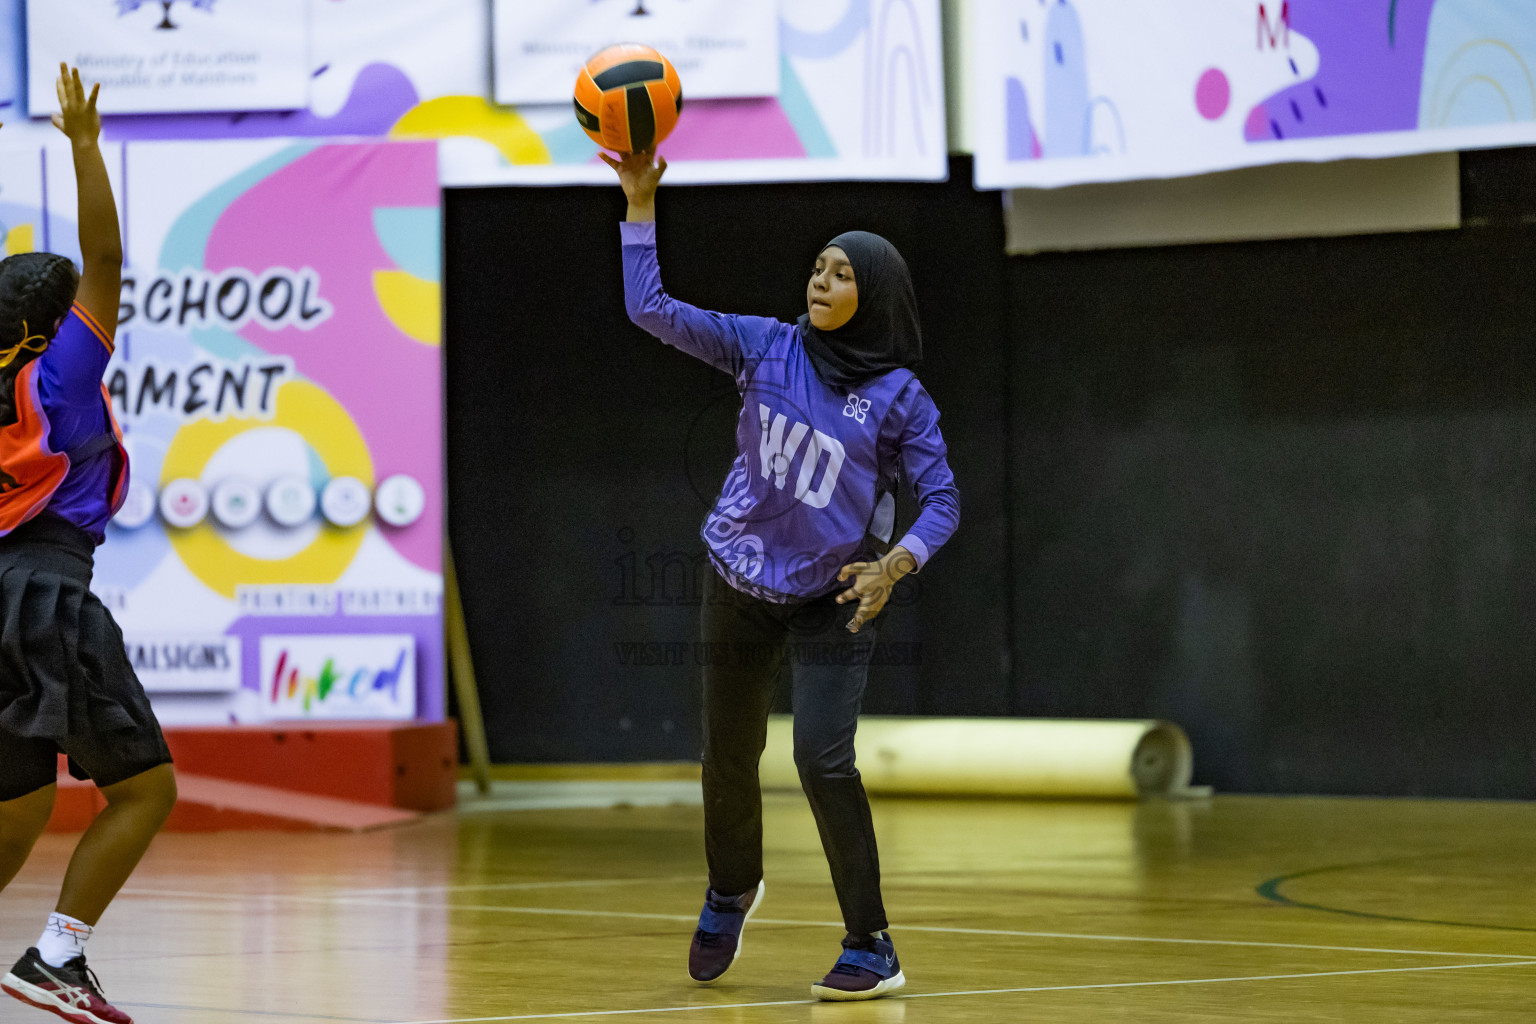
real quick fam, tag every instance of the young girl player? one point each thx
(65, 681)
(831, 417)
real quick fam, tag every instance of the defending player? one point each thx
(65, 681)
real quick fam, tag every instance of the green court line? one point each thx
(1270, 890)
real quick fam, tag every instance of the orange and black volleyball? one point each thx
(628, 98)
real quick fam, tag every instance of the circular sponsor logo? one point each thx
(400, 500)
(236, 503)
(138, 506)
(183, 503)
(345, 501)
(290, 501)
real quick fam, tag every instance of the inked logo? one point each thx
(856, 408)
(334, 683)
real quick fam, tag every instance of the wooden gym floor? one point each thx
(1234, 909)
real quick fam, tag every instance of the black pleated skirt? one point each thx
(63, 670)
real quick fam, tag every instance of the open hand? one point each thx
(639, 175)
(77, 117)
(872, 584)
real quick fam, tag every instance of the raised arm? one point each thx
(723, 340)
(101, 244)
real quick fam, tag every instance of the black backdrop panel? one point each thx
(1283, 494)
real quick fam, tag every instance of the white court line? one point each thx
(979, 992)
(789, 922)
(485, 886)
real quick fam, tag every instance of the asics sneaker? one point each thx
(71, 991)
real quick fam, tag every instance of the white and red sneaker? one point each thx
(71, 991)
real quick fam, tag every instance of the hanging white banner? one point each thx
(1081, 91)
(722, 49)
(860, 95)
(152, 56)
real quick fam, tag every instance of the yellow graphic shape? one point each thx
(474, 117)
(19, 240)
(316, 417)
(413, 305)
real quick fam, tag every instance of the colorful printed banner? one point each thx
(1076, 91)
(277, 490)
(860, 96)
(154, 57)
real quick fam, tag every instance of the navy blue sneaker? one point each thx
(866, 970)
(717, 942)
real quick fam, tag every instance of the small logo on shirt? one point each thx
(856, 407)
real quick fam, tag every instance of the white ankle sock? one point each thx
(63, 939)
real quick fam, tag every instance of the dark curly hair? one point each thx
(36, 291)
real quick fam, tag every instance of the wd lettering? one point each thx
(777, 450)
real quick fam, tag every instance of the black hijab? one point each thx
(883, 334)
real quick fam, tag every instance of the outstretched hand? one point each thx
(639, 175)
(77, 117)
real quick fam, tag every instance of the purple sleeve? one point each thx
(914, 424)
(69, 380)
(724, 341)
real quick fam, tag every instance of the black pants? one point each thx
(752, 640)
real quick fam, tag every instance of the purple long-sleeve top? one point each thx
(75, 410)
(813, 461)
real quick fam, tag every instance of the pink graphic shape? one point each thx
(1257, 125)
(733, 130)
(318, 212)
(1213, 93)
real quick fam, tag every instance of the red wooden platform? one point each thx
(343, 775)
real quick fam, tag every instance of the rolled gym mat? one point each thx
(1036, 757)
